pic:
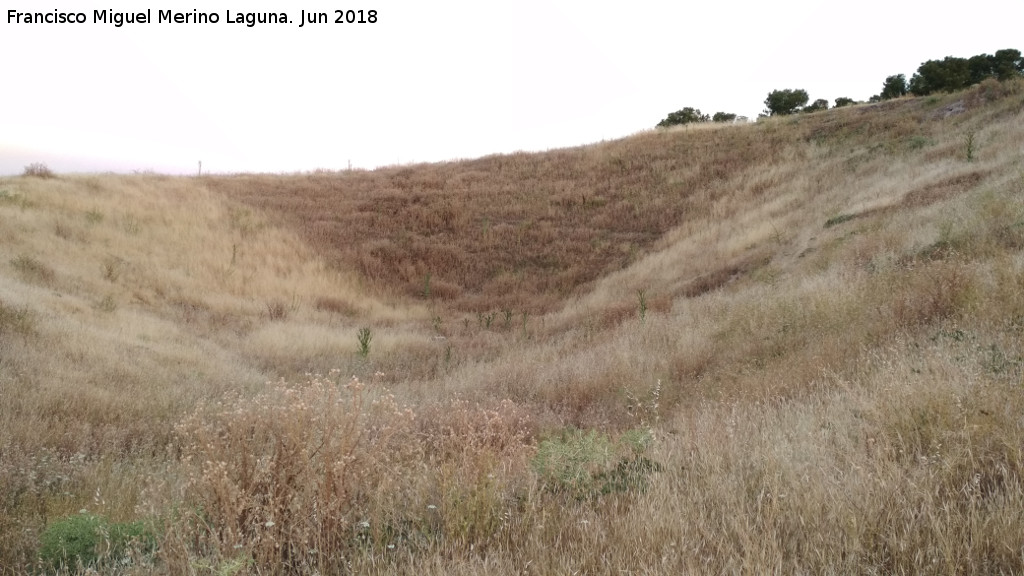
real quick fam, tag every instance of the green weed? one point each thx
(364, 336)
(836, 220)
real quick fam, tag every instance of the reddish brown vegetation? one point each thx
(520, 230)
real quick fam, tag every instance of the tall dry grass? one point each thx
(307, 475)
(126, 302)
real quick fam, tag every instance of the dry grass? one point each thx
(825, 377)
(305, 475)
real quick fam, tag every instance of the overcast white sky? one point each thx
(438, 80)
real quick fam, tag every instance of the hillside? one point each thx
(792, 346)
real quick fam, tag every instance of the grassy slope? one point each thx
(835, 305)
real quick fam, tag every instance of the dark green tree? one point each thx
(946, 75)
(684, 116)
(783, 102)
(844, 101)
(816, 106)
(951, 73)
(979, 68)
(894, 87)
(1007, 63)
(723, 117)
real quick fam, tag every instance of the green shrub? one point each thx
(89, 540)
(637, 439)
(567, 463)
(588, 464)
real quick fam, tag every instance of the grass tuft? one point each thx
(32, 270)
(17, 320)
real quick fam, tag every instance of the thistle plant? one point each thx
(642, 303)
